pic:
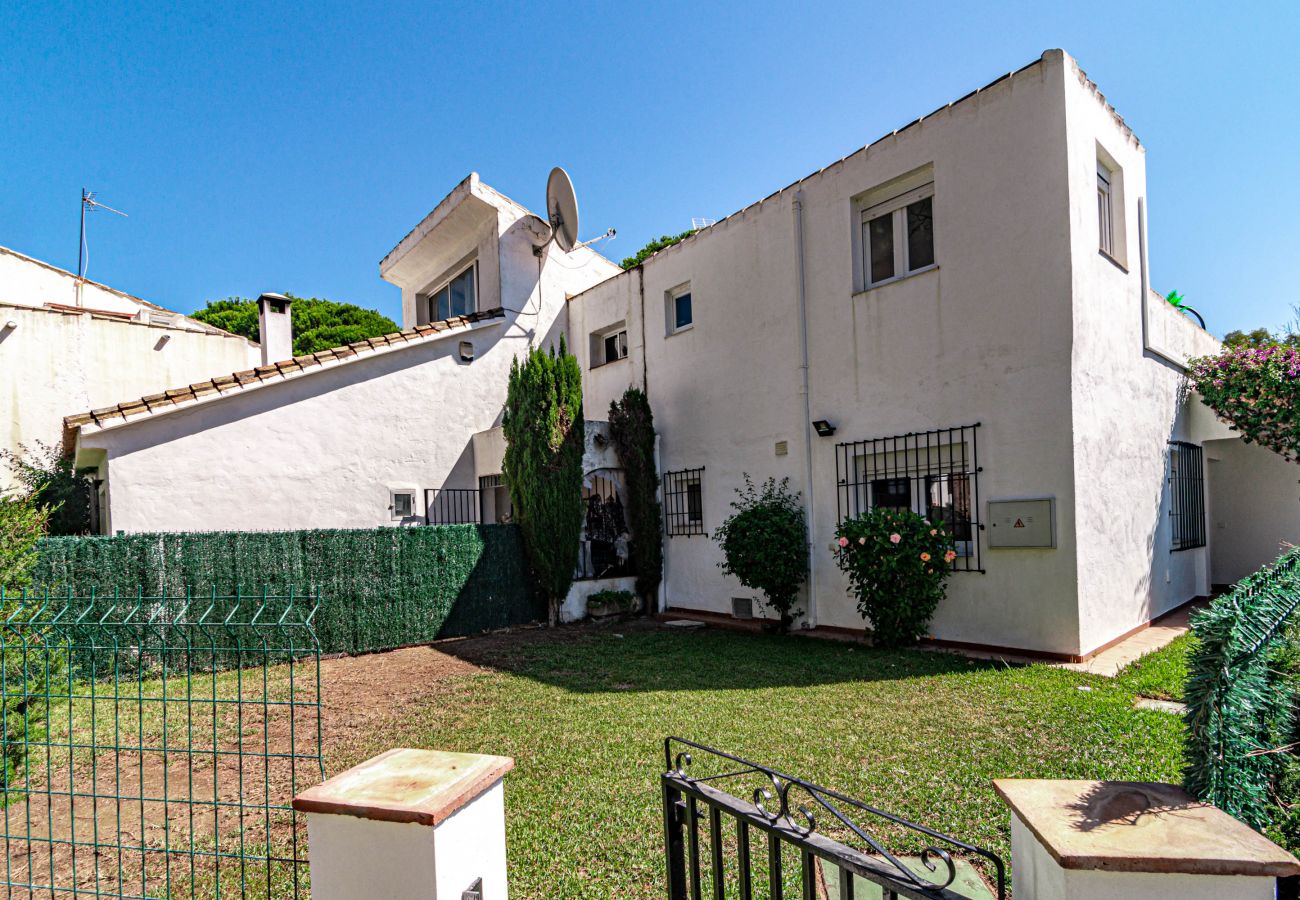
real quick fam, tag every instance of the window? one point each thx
(458, 297)
(931, 473)
(612, 347)
(1186, 495)
(401, 504)
(1105, 211)
(680, 314)
(684, 502)
(898, 235)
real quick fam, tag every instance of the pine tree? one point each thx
(544, 435)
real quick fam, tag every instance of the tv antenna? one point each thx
(561, 226)
(88, 204)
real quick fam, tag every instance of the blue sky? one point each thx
(288, 147)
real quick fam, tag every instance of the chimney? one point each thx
(275, 327)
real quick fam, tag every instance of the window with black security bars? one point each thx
(932, 473)
(1186, 495)
(684, 502)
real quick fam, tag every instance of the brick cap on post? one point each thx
(1138, 826)
(421, 786)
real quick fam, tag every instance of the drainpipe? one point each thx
(810, 504)
(1146, 291)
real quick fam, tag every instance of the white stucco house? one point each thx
(69, 343)
(956, 318)
(375, 433)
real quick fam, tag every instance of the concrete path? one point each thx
(1159, 634)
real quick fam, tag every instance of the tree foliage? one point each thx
(317, 324)
(1256, 390)
(654, 247)
(765, 544)
(632, 427)
(545, 436)
(48, 477)
(27, 669)
(1260, 337)
(898, 563)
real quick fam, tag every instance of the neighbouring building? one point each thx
(69, 344)
(956, 319)
(378, 432)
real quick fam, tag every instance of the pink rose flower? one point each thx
(844, 542)
(862, 540)
(933, 532)
(895, 538)
(925, 557)
(950, 556)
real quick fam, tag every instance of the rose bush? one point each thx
(1255, 389)
(898, 563)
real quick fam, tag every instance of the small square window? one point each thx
(898, 235)
(402, 504)
(458, 297)
(615, 346)
(681, 315)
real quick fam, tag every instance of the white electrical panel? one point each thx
(1022, 523)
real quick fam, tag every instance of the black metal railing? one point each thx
(683, 502)
(786, 809)
(933, 473)
(605, 549)
(452, 506)
(603, 559)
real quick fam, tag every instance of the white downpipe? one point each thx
(1146, 290)
(810, 617)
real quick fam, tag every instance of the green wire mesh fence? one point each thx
(383, 587)
(1240, 707)
(152, 744)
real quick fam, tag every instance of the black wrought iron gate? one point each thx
(152, 745)
(795, 856)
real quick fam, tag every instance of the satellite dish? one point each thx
(562, 209)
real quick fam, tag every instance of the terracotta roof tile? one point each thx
(222, 385)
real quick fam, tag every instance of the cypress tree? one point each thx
(632, 427)
(545, 436)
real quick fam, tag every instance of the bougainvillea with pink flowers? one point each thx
(899, 563)
(1256, 390)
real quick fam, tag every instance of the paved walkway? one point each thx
(1159, 634)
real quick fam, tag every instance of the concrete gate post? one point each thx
(1129, 840)
(409, 825)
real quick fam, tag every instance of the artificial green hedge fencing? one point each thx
(1241, 693)
(379, 589)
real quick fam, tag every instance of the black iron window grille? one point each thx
(684, 502)
(605, 550)
(1186, 495)
(933, 473)
(452, 506)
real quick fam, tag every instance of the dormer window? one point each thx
(457, 297)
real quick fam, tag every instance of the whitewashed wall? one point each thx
(1022, 327)
(57, 363)
(1254, 507)
(324, 449)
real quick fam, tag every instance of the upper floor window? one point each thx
(898, 235)
(609, 346)
(680, 314)
(458, 297)
(1105, 210)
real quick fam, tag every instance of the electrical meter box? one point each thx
(1022, 523)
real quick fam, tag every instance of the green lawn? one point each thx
(584, 712)
(1162, 674)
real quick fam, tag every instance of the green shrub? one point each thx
(545, 436)
(898, 563)
(317, 324)
(654, 247)
(47, 474)
(632, 428)
(26, 664)
(765, 544)
(607, 600)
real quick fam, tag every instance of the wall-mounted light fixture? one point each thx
(824, 428)
(466, 351)
(10, 325)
